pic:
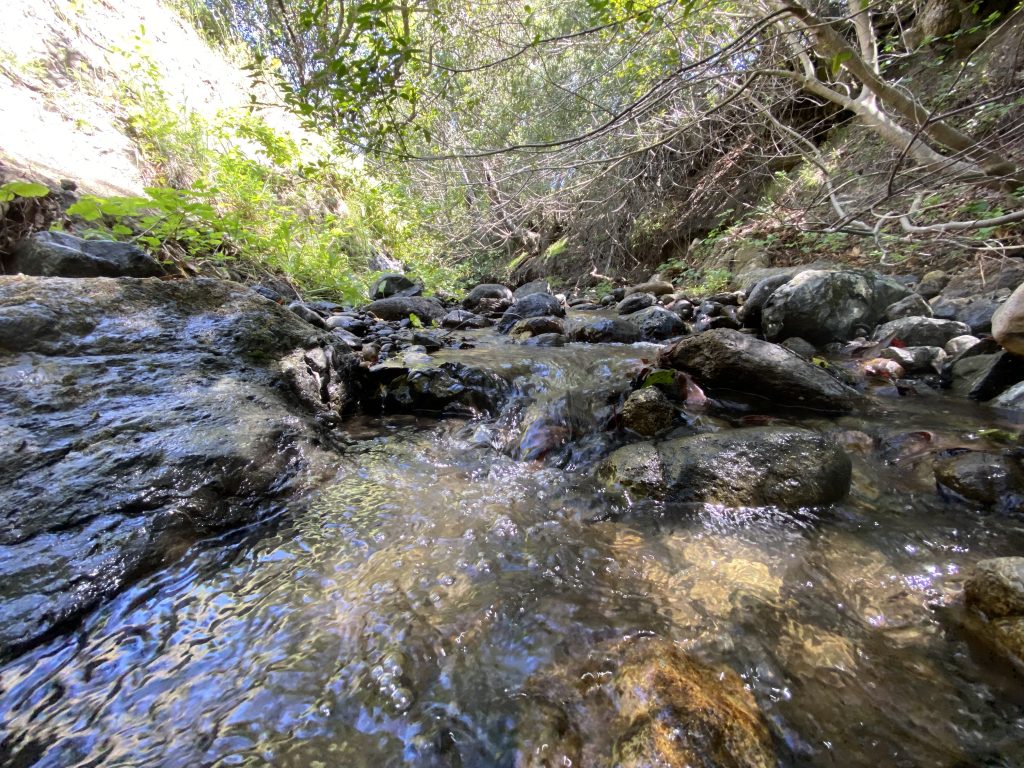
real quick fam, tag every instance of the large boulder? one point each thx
(487, 291)
(656, 323)
(823, 306)
(137, 416)
(1008, 323)
(646, 703)
(401, 307)
(386, 286)
(726, 360)
(753, 467)
(535, 286)
(598, 330)
(56, 254)
(531, 305)
(922, 331)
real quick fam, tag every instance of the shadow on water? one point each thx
(399, 612)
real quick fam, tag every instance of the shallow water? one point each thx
(395, 614)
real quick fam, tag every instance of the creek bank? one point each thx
(139, 415)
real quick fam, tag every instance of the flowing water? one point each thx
(395, 614)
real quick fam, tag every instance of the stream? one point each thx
(396, 614)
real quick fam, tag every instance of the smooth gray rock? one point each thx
(531, 305)
(983, 377)
(487, 291)
(960, 344)
(726, 360)
(916, 359)
(56, 254)
(537, 326)
(987, 478)
(536, 286)
(978, 314)
(922, 331)
(459, 319)
(309, 315)
(823, 306)
(1011, 399)
(159, 412)
(653, 287)
(634, 302)
(750, 313)
(753, 467)
(656, 323)
(400, 307)
(599, 330)
(911, 306)
(1008, 323)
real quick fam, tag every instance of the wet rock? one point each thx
(459, 319)
(57, 254)
(960, 344)
(647, 412)
(386, 286)
(350, 323)
(801, 347)
(492, 307)
(983, 377)
(750, 312)
(537, 326)
(657, 323)
(635, 302)
(537, 286)
(487, 291)
(1008, 323)
(823, 306)
(654, 287)
(983, 477)
(401, 307)
(310, 316)
(996, 587)
(159, 412)
(757, 466)
(601, 330)
(728, 360)
(646, 704)
(922, 331)
(911, 306)
(977, 315)
(683, 308)
(421, 386)
(932, 283)
(1011, 399)
(531, 305)
(546, 340)
(916, 359)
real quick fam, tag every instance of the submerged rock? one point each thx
(158, 412)
(56, 254)
(996, 587)
(823, 306)
(752, 467)
(647, 412)
(729, 360)
(980, 476)
(536, 326)
(640, 704)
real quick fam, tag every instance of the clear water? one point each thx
(394, 616)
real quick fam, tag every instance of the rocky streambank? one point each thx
(143, 414)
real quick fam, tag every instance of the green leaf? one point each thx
(416, 323)
(13, 189)
(662, 377)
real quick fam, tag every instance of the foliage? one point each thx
(26, 189)
(233, 188)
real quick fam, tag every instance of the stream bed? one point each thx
(402, 611)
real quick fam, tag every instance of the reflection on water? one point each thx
(397, 616)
